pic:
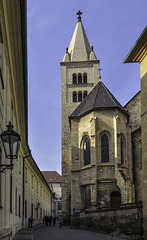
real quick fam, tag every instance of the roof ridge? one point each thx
(109, 95)
(98, 86)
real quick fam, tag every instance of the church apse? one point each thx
(96, 170)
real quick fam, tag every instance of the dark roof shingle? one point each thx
(99, 97)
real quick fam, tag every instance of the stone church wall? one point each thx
(125, 221)
(134, 109)
(137, 164)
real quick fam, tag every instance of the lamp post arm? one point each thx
(3, 167)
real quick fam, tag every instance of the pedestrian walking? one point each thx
(43, 220)
(50, 220)
(30, 221)
(46, 220)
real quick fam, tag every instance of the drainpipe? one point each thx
(23, 189)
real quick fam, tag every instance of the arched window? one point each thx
(115, 199)
(104, 148)
(86, 149)
(85, 78)
(74, 78)
(74, 97)
(122, 150)
(79, 78)
(85, 94)
(80, 97)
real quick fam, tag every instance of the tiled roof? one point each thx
(99, 98)
(52, 176)
(79, 47)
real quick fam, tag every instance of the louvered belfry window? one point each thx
(104, 148)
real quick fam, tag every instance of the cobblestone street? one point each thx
(66, 233)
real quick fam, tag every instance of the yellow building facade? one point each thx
(138, 54)
(23, 191)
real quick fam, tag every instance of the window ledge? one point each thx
(86, 167)
(106, 164)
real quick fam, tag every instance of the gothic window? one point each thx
(104, 148)
(79, 78)
(85, 78)
(86, 149)
(85, 94)
(74, 97)
(80, 97)
(122, 150)
(74, 78)
(115, 199)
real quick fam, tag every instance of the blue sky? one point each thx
(112, 27)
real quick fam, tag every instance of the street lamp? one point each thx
(38, 206)
(11, 141)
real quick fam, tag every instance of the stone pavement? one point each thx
(66, 233)
(27, 233)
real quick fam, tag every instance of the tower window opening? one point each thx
(85, 94)
(74, 79)
(79, 78)
(85, 78)
(74, 97)
(80, 97)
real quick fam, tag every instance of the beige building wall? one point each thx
(24, 187)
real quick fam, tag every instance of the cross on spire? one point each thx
(79, 13)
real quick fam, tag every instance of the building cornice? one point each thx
(80, 64)
(139, 50)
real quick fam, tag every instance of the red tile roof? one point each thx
(52, 176)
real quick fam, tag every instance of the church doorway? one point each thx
(115, 199)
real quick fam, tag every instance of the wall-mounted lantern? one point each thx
(38, 206)
(11, 142)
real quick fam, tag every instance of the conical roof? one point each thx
(79, 48)
(99, 98)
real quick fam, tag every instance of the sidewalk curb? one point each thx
(27, 233)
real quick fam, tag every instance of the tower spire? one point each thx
(79, 13)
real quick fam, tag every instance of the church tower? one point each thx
(79, 75)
